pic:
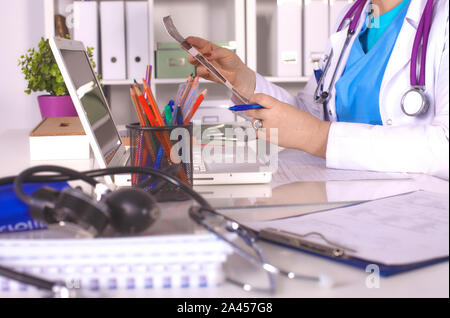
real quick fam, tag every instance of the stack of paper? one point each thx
(295, 165)
(396, 231)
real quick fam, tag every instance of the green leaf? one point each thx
(41, 71)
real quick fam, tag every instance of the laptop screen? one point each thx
(92, 101)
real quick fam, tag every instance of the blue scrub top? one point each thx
(358, 89)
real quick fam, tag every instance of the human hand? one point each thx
(294, 127)
(227, 63)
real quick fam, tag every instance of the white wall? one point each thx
(21, 27)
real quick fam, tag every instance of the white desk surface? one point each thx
(430, 281)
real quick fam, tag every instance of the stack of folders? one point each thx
(299, 31)
(320, 21)
(112, 264)
(123, 33)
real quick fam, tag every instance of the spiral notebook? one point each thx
(108, 264)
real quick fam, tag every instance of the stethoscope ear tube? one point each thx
(414, 102)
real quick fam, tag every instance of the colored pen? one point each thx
(159, 156)
(148, 75)
(196, 106)
(179, 116)
(190, 95)
(317, 71)
(171, 103)
(239, 108)
(167, 115)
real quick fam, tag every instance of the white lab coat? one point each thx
(403, 143)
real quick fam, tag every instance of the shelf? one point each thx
(117, 82)
(158, 81)
(303, 79)
(176, 81)
(162, 81)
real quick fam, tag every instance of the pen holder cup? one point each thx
(167, 148)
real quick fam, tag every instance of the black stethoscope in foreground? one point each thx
(414, 101)
(127, 211)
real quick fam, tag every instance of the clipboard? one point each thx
(336, 253)
(424, 247)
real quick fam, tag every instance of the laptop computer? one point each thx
(98, 123)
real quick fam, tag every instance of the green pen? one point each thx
(167, 114)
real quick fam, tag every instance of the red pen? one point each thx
(196, 106)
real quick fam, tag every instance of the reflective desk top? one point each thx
(263, 202)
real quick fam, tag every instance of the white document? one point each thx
(112, 22)
(399, 230)
(136, 19)
(336, 7)
(85, 29)
(316, 28)
(289, 39)
(296, 165)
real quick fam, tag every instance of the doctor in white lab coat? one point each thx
(417, 144)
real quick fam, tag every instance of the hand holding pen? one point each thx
(293, 128)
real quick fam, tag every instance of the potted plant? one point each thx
(42, 74)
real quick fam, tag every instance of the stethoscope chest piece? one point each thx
(415, 102)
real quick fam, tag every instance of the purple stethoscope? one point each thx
(414, 101)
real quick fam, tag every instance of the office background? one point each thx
(252, 24)
(22, 23)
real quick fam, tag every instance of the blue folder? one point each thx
(385, 270)
(14, 214)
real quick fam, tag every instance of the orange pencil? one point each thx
(163, 137)
(148, 112)
(196, 106)
(148, 143)
(138, 108)
(152, 103)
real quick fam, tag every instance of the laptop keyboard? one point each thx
(198, 163)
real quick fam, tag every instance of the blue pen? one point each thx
(158, 160)
(157, 164)
(171, 103)
(180, 117)
(239, 108)
(317, 71)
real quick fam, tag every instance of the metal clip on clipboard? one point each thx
(298, 241)
(173, 32)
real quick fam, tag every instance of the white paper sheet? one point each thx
(295, 165)
(398, 230)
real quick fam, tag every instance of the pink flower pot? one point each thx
(56, 106)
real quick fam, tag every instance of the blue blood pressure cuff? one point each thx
(14, 214)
